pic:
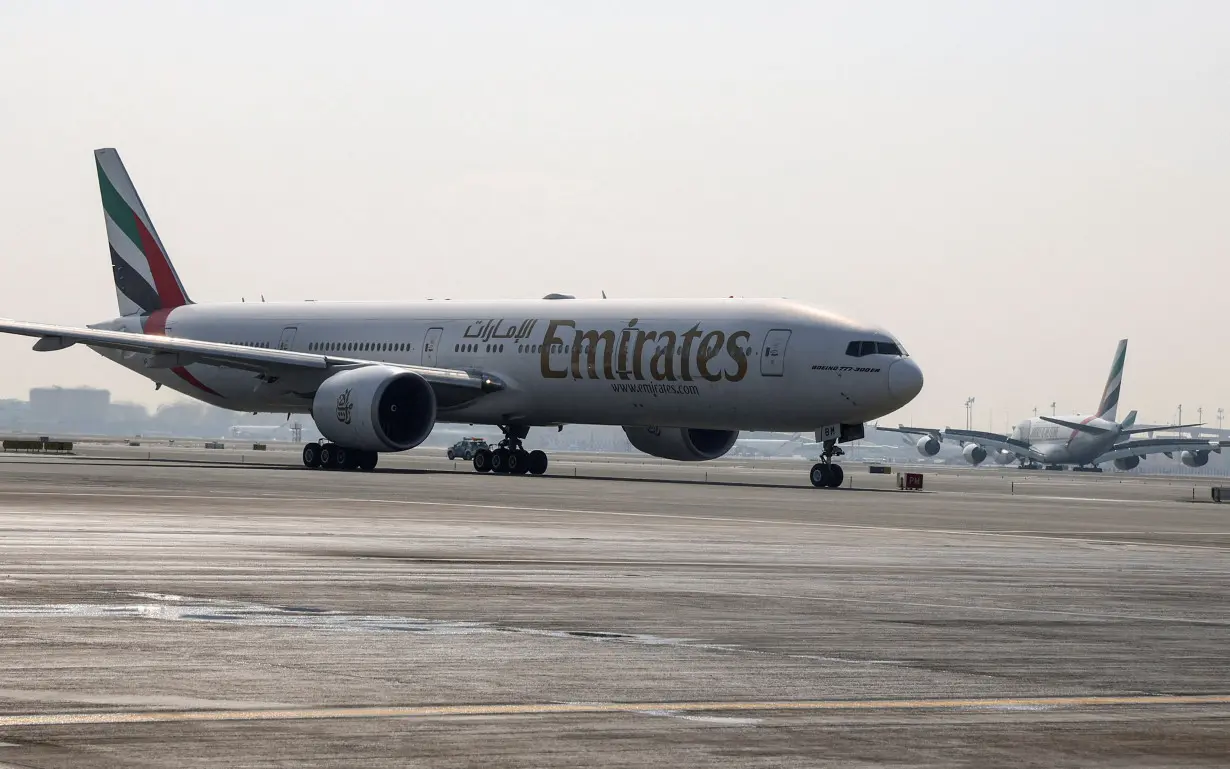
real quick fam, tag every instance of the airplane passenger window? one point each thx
(501, 348)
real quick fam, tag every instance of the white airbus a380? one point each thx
(682, 377)
(1082, 441)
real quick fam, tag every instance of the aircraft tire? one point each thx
(482, 461)
(368, 460)
(820, 475)
(537, 462)
(518, 462)
(343, 458)
(328, 458)
(836, 476)
(311, 456)
(499, 461)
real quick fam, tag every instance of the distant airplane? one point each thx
(1079, 441)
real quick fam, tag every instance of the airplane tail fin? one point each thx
(1130, 419)
(1110, 396)
(145, 279)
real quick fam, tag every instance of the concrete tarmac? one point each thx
(178, 607)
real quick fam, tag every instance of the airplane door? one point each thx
(773, 352)
(430, 343)
(288, 337)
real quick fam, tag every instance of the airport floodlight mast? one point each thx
(969, 413)
(1221, 415)
(1053, 408)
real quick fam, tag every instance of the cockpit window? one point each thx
(860, 348)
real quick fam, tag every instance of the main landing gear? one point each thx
(509, 456)
(330, 456)
(825, 474)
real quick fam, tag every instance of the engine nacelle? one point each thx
(375, 408)
(1002, 457)
(1198, 458)
(974, 454)
(685, 444)
(928, 446)
(1127, 463)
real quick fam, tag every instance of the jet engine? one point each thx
(928, 446)
(375, 408)
(1004, 457)
(1198, 458)
(1127, 463)
(685, 444)
(974, 454)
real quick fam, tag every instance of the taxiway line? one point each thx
(589, 708)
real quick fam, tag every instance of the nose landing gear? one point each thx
(510, 457)
(825, 474)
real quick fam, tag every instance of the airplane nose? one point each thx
(905, 379)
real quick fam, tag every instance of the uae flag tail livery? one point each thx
(145, 279)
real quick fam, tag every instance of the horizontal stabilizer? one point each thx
(1084, 428)
(1157, 428)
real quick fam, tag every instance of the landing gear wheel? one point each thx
(343, 459)
(824, 474)
(328, 456)
(537, 462)
(368, 460)
(499, 461)
(311, 455)
(482, 461)
(518, 462)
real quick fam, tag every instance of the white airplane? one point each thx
(1080, 441)
(682, 377)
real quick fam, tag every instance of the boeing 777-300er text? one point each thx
(682, 377)
(1084, 442)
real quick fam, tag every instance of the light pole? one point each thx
(1052, 408)
(969, 413)
(1221, 415)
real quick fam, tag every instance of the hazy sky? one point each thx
(1008, 187)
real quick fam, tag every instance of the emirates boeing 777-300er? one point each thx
(682, 377)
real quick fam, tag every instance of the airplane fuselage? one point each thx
(726, 364)
(1059, 445)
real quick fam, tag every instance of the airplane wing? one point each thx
(169, 352)
(1078, 426)
(1155, 428)
(1139, 448)
(933, 432)
(993, 441)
